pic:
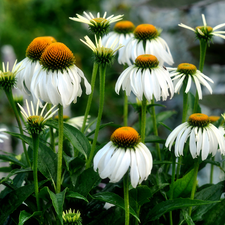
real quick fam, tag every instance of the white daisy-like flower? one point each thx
(33, 54)
(2, 136)
(57, 80)
(123, 31)
(146, 77)
(36, 120)
(206, 32)
(103, 53)
(204, 137)
(124, 151)
(98, 25)
(146, 40)
(189, 72)
(7, 77)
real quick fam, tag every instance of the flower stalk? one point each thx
(60, 149)
(102, 73)
(126, 198)
(143, 118)
(93, 78)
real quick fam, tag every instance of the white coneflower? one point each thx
(98, 25)
(33, 54)
(123, 31)
(190, 73)
(103, 54)
(124, 151)
(146, 77)
(204, 137)
(36, 120)
(206, 32)
(146, 40)
(57, 80)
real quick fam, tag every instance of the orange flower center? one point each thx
(37, 46)
(125, 137)
(146, 61)
(213, 118)
(145, 32)
(124, 27)
(57, 56)
(187, 68)
(198, 120)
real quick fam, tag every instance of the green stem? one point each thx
(102, 72)
(35, 167)
(143, 118)
(60, 149)
(126, 198)
(93, 78)
(155, 128)
(212, 170)
(203, 48)
(13, 105)
(125, 110)
(172, 184)
(196, 166)
(52, 136)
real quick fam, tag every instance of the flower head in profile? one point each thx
(146, 40)
(98, 25)
(36, 120)
(103, 54)
(2, 136)
(146, 77)
(8, 78)
(57, 80)
(124, 151)
(188, 72)
(123, 31)
(206, 32)
(33, 54)
(204, 137)
(71, 217)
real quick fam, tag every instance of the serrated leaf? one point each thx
(24, 216)
(57, 202)
(76, 138)
(72, 194)
(113, 199)
(183, 186)
(170, 205)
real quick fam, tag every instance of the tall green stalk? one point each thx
(196, 166)
(155, 128)
(143, 118)
(93, 78)
(35, 167)
(60, 149)
(126, 198)
(203, 48)
(13, 105)
(102, 72)
(125, 110)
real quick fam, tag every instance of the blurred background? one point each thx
(23, 20)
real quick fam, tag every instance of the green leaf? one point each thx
(187, 218)
(76, 138)
(113, 199)
(72, 194)
(216, 215)
(141, 194)
(57, 202)
(9, 158)
(14, 199)
(24, 216)
(169, 205)
(183, 186)
(101, 127)
(86, 181)
(47, 159)
(212, 193)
